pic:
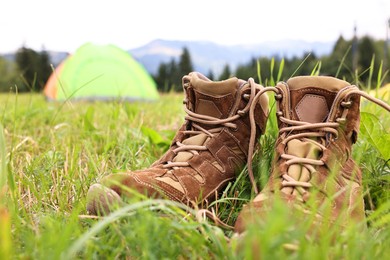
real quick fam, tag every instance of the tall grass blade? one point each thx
(3, 165)
(316, 70)
(272, 66)
(5, 220)
(259, 72)
(300, 65)
(281, 67)
(114, 216)
(342, 62)
(371, 72)
(68, 98)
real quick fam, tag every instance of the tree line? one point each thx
(358, 61)
(29, 71)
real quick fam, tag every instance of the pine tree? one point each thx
(248, 70)
(26, 61)
(366, 52)
(226, 73)
(34, 69)
(44, 69)
(174, 76)
(210, 75)
(185, 63)
(340, 62)
(162, 78)
(8, 77)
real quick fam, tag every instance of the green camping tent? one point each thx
(96, 72)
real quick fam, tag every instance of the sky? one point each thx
(65, 25)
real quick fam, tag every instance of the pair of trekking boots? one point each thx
(318, 120)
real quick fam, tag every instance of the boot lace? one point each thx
(314, 133)
(202, 214)
(322, 130)
(194, 120)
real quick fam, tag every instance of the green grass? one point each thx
(51, 153)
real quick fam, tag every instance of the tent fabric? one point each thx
(50, 89)
(100, 72)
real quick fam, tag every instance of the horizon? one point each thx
(129, 25)
(188, 41)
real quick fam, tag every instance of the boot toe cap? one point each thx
(102, 200)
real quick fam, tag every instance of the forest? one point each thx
(363, 61)
(358, 60)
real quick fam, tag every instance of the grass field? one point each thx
(52, 152)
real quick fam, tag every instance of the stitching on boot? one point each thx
(318, 105)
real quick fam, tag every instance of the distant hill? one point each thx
(57, 56)
(208, 56)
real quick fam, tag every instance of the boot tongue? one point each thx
(311, 97)
(299, 172)
(184, 156)
(211, 97)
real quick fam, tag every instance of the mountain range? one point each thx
(210, 56)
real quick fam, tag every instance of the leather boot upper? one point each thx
(209, 149)
(318, 119)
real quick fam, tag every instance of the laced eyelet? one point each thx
(341, 120)
(331, 138)
(235, 128)
(246, 96)
(278, 96)
(240, 112)
(346, 104)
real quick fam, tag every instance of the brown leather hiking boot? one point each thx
(318, 119)
(207, 152)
